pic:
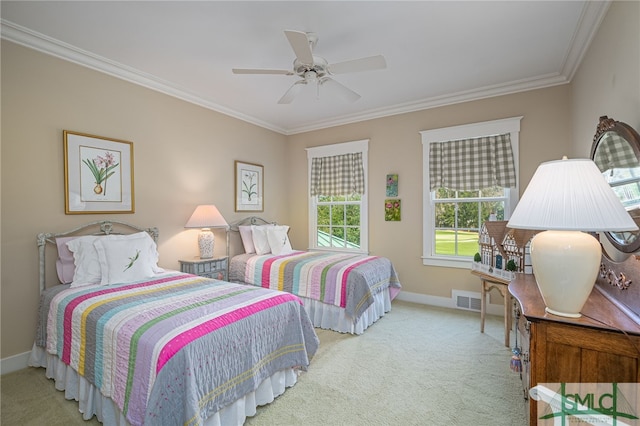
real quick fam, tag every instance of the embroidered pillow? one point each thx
(260, 239)
(127, 258)
(279, 240)
(85, 258)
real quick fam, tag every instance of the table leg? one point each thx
(507, 316)
(483, 302)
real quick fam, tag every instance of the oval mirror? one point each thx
(616, 152)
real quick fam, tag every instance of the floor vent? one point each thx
(467, 300)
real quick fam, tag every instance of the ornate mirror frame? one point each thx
(616, 151)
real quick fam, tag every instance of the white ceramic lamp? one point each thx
(206, 217)
(563, 198)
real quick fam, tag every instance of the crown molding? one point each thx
(592, 15)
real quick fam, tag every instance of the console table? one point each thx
(488, 282)
(602, 346)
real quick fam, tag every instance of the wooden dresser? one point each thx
(602, 346)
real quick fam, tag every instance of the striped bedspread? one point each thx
(176, 349)
(342, 279)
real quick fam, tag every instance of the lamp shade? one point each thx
(570, 195)
(563, 198)
(206, 216)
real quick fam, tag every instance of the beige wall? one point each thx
(184, 156)
(395, 147)
(608, 80)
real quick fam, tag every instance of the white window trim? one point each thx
(466, 131)
(329, 151)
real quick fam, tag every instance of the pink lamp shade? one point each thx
(206, 217)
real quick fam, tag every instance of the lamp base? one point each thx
(562, 314)
(205, 243)
(565, 264)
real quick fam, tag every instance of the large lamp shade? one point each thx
(565, 198)
(206, 217)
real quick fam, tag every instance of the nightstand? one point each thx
(210, 268)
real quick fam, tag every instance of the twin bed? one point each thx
(163, 347)
(344, 292)
(135, 344)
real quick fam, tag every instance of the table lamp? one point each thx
(206, 217)
(563, 198)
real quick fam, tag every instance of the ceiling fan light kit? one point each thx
(315, 69)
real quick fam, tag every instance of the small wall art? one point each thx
(392, 210)
(249, 185)
(98, 174)
(392, 185)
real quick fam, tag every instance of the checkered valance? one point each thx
(472, 164)
(337, 175)
(614, 152)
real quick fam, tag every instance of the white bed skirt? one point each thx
(334, 318)
(92, 402)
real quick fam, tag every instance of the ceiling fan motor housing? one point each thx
(319, 67)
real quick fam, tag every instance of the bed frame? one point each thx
(103, 227)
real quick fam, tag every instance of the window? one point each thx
(452, 217)
(337, 212)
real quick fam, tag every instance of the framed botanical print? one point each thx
(98, 174)
(249, 187)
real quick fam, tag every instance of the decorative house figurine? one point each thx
(493, 258)
(503, 251)
(517, 247)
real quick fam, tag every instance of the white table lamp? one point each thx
(563, 198)
(206, 217)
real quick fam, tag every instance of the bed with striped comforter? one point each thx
(345, 280)
(176, 348)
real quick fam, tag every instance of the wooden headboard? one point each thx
(103, 227)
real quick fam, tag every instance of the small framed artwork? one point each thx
(392, 185)
(249, 187)
(98, 174)
(392, 210)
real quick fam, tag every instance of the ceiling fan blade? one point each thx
(292, 92)
(300, 44)
(339, 89)
(260, 71)
(355, 65)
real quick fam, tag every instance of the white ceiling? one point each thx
(437, 53)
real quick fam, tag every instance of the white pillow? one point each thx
(279, 240)
(85, 258)
(260, 241)
(246, 235)
(127, 258)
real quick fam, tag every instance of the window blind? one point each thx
(337, 175)
(472, 164)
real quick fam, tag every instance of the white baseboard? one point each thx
(14, 363)
(443, 302)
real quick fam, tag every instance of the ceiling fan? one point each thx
(315, 69)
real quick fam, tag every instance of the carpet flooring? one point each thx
(418, 365)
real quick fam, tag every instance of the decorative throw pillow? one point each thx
(279, 240)
(127, 258)
(260, 239)
(85, 258)
(65, 266)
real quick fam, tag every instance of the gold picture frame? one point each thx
(249, 187)
(98, 174)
